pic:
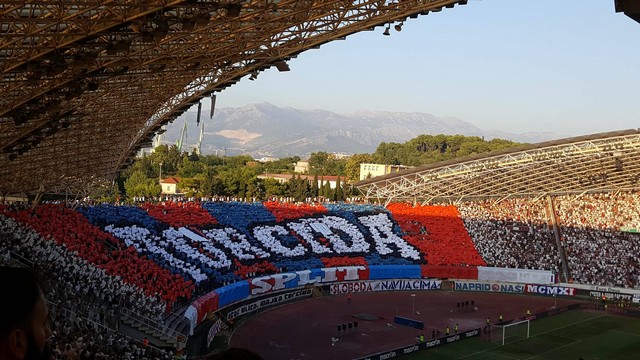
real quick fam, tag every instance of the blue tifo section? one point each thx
(232, 293)
(121, 216)
(298, 264)
(377, 272)
(376, 259)
(409, 322)
(239, 215)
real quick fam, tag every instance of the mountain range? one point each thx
(265, 130)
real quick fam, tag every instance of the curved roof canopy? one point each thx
(601, 162)
(86, 83)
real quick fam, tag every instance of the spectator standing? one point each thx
(24, 318)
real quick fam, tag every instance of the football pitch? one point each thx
(572, 335)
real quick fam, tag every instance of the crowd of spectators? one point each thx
(89, 242)
(513, 233)
(84, 300)
(597, 233)
(155, 257)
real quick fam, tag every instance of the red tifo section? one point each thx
(286, 211)
(438, 232)
(180, 214)
(70, 228)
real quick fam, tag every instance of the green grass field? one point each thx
(572, 335)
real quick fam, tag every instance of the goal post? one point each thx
(514, 331)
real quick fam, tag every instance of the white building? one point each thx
(368, 171)
(301, 167)
(322, 179)
(170, 185)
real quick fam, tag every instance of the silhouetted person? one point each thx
(24, 318)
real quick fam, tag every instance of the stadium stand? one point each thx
(598, 234)
(129, 265)
(513, 233)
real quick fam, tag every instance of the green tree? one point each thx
(318, 162)
(352, 167)
(208, 178)
(299, 188)
(314, 186)
(139, 185)
(327, 191)
(273, 187)
(255, 189)
(338, 193)
(281, 166)
(321, 188)
(189, 168)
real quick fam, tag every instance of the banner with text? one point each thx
(385, 285)
(529, 276)
(268, 301)
(264, 284)
(488, 287)
(410, 349)
(550, 290)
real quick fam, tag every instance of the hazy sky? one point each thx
(570, 66)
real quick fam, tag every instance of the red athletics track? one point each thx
(303, 330)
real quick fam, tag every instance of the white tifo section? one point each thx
(320, 227)
(191, 235)
(528, 276)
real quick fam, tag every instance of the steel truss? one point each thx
(601, 162)
(85, 84)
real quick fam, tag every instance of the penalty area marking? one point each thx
(542, 333)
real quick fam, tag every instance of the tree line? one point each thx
(237, 176)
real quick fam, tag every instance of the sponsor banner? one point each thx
(488, 287)
(267, 302)
(384, 285)
(550, 290)
(608, 289)
(410, 349)
(288, 280)
(529, 276)
(213, 330)
(610, 295)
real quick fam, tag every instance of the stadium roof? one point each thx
(87, 83)
(601, 162)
